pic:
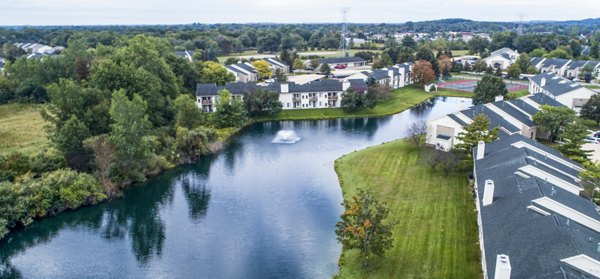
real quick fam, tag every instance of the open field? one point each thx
(21, 128)
(460, 52)
(436, 234)
(325, 53)
(401, 99)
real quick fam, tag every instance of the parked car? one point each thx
(340, 66)
(592, 140)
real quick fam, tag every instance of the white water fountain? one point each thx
(286, 136)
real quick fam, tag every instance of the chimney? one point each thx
(488, 194)
(499, 98)
(502, 267)
(285, 88)
(480, 150)
(543, 82)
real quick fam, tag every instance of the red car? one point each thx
(341, 66)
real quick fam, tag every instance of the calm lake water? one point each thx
(255, 210)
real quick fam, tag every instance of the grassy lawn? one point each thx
(325, 53)
(436, 235)
(520, 93)
(401, 99)
(21, 128)
(460, 52)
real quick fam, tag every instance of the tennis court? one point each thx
(468, 85)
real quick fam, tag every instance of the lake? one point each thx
(254, 210)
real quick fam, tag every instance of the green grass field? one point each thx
(21, 128)
(401, 99)
(460, 52)
(436, 235)
(325, 53)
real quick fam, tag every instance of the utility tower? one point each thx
(520, 28)
(343, 48)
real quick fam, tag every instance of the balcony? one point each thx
(313, 99)
(332, 98)
(296, 99)
(207, 102)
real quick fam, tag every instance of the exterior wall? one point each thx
(492, 61)
(441, 126)
(575, 99)
(305, 100)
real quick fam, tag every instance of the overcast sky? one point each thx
(89, 12)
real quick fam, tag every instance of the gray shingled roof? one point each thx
(555, 85)
(522, 105)
(379, 74)
(510, 110)
(536, 60)
(341, 60)
(576, 64)
(556, 62)
(534, 243)
(495, 119)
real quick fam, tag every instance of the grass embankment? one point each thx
(400, 100)
(436, 234)
(21, 128)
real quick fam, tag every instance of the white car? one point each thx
(592, 140)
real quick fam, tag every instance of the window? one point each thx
(288, 105)
(320, 103)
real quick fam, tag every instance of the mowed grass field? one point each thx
(21, 128)
(400, 100)
(436, 234)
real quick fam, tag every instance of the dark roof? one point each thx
(536, 60)
(276, 60)
(594, 64)
(510, 110)
(576, 64)
(542, 99)
(341, 60)
(236, 88)
(358, 85)
(556, 62)
(317, 86)
(379, 74)
(495, 119)
(555, 85)
(534, 243)
(236, 68)
(457, 119)
(524, 106)
(505, 55)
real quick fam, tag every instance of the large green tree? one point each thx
(261, 102)
(475, 132)
(591, 110)
(128, 134)
(188, 114)
(574, 136)
(363, 226)
(230, 111)
(553, 119)
(488, 88)
(213, 72)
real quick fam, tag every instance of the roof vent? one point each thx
(503, 268)
(488, 194)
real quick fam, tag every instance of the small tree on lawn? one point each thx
(591, 110)
(574, 137)
(423, 72)
(445, 65)
(488, 88)
(280, 76)
(363, 227)
(514, 71)
(552, 119)
(264, 69)
(230, 111)
(314, 63)
(325, 69)
(299, 64)
(416, 132)
(498, 72)
(475, 132)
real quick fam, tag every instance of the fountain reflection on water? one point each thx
(286, 136)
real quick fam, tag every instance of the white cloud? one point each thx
(43, 12)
